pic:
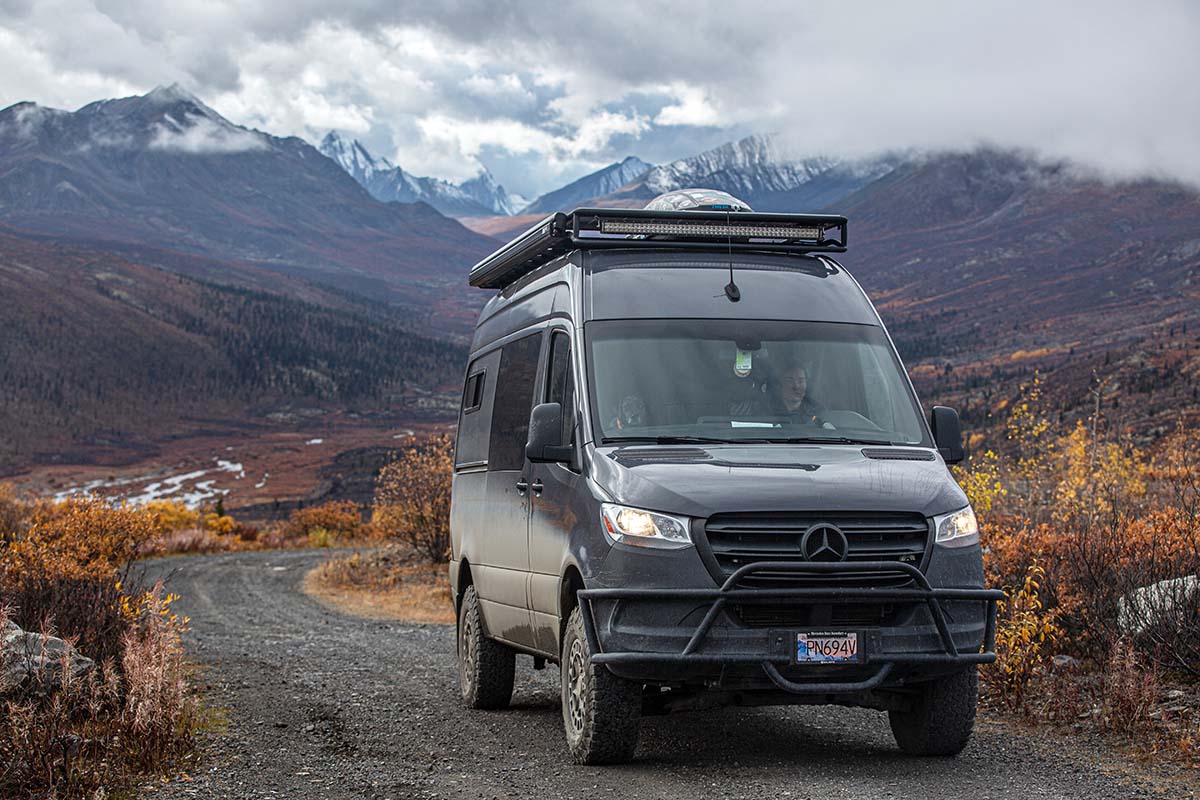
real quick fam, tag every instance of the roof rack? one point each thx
(594, 228)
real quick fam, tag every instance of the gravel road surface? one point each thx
(322, 705)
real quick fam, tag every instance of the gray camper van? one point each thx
(692, 471)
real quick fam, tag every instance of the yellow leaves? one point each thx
(980, 479)
(171, 515)
(1025, 632)
(221, 524)
(77, 538)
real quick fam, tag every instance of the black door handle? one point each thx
(522, 486)
(537, 487)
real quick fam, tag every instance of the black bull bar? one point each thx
(921, 593)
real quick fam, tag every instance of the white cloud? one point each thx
(201, 135)
(443, 85)
(692, 108)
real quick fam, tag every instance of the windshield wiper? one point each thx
(827, 440)
(669, 439)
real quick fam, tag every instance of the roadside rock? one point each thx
(1165, 601)
(33, 662)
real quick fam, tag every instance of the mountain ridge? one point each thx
(596, 184)
(163, 171)
(388, 183)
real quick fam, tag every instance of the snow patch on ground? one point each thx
(231, 466)
(193, 489)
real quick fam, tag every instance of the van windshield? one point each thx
(690, 380)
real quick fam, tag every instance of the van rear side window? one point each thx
(475, 417)
(514, 401)
(473, 393)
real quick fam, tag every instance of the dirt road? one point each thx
(321, 705)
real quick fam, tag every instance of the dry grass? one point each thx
(383, 584)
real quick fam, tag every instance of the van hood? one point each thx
(699, 481)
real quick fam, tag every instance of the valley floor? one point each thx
(260, 473)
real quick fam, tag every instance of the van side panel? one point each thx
(504, 316)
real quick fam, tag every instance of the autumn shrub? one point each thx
(171, 515)
(159, 714)
(77, 538)
(187, 530)
(1026, 633)
(337, 521)
(1097, 543)
(189, 540)
(12, 512)
(412, 499)
(64, 569)
(1128, 689)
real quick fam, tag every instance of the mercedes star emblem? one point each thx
(824, 542)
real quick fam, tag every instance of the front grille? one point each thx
(735, 540)
(796, 615)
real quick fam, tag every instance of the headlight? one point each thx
(959, 529)
(644, 528)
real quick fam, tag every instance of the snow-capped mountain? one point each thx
(761, 170)
(597, 184)
(478, 196)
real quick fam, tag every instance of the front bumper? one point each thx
(708, 647)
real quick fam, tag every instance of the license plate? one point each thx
(827, 648)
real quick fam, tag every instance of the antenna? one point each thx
(731, 289)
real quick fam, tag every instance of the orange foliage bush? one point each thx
(412, 498)
(1098, 545)
(63, 570)
(321, 526)
(77, 538)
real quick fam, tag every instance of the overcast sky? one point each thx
(542, 93)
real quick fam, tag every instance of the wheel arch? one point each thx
(464, 580)
(568, 587)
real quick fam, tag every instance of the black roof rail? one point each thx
(594, 228)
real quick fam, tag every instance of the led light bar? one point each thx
(709, 229)
(605, 228)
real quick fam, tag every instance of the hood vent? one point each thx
(895, 454)
(660, 455)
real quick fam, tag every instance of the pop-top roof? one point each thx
(593, 228)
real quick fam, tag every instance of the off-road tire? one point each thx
(601, 712)
(485, 667)
(942, 716)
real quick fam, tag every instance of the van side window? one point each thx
(475, 416)
(473, 393)
(514, 401)
(560, 383)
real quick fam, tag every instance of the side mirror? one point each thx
(947, 433)
(545, 436)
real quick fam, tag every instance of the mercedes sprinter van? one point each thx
(692, 471)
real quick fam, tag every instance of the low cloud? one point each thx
(438, 87)
(201, 135)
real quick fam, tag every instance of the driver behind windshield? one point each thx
(787, 397)
(793, 399)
